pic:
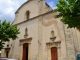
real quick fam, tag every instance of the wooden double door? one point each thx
(54, 53)
(25, 51)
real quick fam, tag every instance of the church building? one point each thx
(42, 36)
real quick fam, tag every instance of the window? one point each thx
(27, 15)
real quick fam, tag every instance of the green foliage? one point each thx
(69, 10)
(1, 45)
(7, 32)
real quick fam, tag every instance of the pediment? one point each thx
(54, 44)
(27, 40)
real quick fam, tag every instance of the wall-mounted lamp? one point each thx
(52, 36)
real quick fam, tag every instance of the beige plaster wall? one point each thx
(33, 8)
(20, 16)
(32, 27)
(49, 24)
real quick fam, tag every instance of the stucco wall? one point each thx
(49, 24)
(33, 8)
(32, 27)
(27, 7)
(64, 37)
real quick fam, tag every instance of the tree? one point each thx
(69, 10)
(7, 32)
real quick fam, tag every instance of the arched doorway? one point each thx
(54, 55)
(25, 51)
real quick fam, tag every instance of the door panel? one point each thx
(25, 51)
(54, 53)
(7, 52)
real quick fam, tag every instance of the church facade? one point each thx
(42, 36)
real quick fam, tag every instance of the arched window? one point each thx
(27, 15)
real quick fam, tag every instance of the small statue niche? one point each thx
(52, 36)
(26, 30)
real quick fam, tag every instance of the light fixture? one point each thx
(52, 37)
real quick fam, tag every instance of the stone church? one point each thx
(42, 36)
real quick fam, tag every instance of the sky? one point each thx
(8, 8)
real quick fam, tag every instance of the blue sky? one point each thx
(8, 8)
(52, 3)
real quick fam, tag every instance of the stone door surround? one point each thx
(23, 41)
